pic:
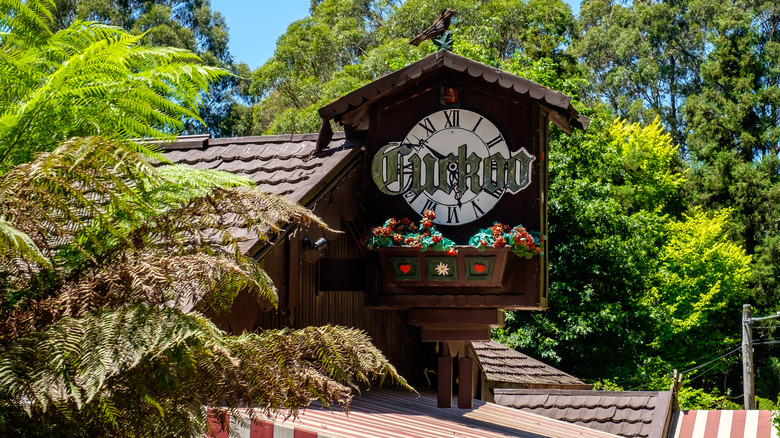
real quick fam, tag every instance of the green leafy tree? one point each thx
(345, 44)
(66, 76)
(604, 249)
(734, 143)
(708, 70)
(645, 56)
(701, 279)
(109, 263)
(632, 279)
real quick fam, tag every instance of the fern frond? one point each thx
(20, 244)
(115, 365)
(28, 20)
(93, 79)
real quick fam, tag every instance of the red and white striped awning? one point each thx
(387, 413)
(722, 424)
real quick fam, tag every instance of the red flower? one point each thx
(436, 239)
(429, 214)
(499, 242)
(426, 223)
(452, 252)
(398, 237)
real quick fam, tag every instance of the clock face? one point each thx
(455, 162)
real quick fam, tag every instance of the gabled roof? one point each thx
(392, 413)
(625, 413)
(503, 364)
(286, 165)
(562, 113)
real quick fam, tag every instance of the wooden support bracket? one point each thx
(444, 377)
(465, 383)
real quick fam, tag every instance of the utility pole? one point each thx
(748, 386)
(748, 375)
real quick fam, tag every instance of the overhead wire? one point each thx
(723, 356)
(730, 352)
(711, 361)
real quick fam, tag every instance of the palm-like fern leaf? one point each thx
(107, 262)
(102, 360)
(94, 79)
(118, 231)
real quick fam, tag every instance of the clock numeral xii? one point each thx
(452, 119)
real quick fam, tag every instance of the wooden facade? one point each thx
(415, 323)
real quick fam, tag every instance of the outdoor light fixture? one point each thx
(313, 251)
(319, 245)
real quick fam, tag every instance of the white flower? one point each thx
(443, 269)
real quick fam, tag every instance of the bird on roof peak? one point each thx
(437, 29)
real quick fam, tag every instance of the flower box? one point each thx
(405, 278)
(470, 268)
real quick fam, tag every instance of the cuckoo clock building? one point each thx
(448, 136)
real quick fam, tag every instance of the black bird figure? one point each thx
(437, 28)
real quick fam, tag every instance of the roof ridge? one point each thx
(198, 141)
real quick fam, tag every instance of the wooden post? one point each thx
(465, 376)
(444, 377)
(747, 358)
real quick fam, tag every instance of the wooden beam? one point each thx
(455, 333)
(444, 377)
(424, 317)
(465, 376)
(293, 279)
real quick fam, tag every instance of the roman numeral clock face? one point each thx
(455, 162)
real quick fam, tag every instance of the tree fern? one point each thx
(109, 257)
(91, 79)
(102, 362)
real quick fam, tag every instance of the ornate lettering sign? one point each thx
(454, 162)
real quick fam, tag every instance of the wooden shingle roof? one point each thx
(283, 164)
(349, 108)
(503, 364)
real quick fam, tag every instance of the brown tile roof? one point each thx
(282, 164)
(503, 364)
(625, 413)
(562, 113)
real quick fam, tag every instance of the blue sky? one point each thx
(255, 25)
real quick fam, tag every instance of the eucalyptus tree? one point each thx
(345, 44)
(645, 57)
(109, 261)
(734, 138)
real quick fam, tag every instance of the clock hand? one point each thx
(422, 143)
(452, 178)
